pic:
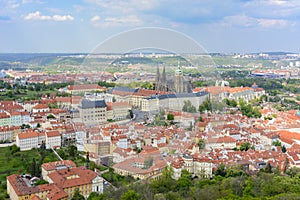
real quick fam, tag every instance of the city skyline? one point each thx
(37, 26)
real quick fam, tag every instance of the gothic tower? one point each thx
(157, 79)
(178, 81)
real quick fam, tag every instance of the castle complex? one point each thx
(178, 84)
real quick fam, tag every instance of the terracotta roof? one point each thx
(53, 134)
(67, 178)
(29, 134)
(41, 106)
(85, 87)
(53, 165)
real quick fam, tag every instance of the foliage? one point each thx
(248, 110)
(170, 117)
(201, 144)
(188, 107)
(205, 106)
(148, 162)
(230, 102)
(245, 146)
(130, 195)
(40, 182)
(77, 195)
(106, 84)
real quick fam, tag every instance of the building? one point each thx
(138, 168)
(176, 84)
(117, 110)
(63, 177)
(173, 102)
(50, 167)
(82, 88)
(29, 139)
(8, 134)
(53, 139)
(93, 111)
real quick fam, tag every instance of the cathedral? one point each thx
(176, 84)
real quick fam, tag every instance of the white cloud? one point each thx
(121, 6)
(31, 1)
(266, 23)
(38, 16)
(62, 18)
(131, 20)
(246, 21)
(95, 18)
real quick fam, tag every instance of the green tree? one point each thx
(148, 162)
(170, 117)
(201, 144)
(221, 170)
(276, 143)
(130, 195)
(245, 146)
(77, 195)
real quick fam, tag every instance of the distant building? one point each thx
(63, 177)
(178, 84)
(93, 111)
(30, 139)
(82, 88)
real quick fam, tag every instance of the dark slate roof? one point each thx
(122, 89)
(179, 95)
(85, 103)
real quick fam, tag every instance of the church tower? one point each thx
(157, 79)
(163, 80)
(178, 81)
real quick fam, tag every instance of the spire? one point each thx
(164, 77)
(157, 79)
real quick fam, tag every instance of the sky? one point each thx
(77, 26)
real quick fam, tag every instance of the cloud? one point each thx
(266, 23)
(247, 21)
(62, 18)
(131, 20)
(121, 6)
(32, 1)
(95, 18)
(280, 9)
(38, 16)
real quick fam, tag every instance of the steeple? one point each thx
(157, 79)
(164, 77)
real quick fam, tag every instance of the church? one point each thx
(176, 83)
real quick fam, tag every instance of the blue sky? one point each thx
(227, 26)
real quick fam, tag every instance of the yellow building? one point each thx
(63, 182)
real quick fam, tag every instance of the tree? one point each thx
(131, 114)
(221, 171)
(50, 116)
(148, 162)
(245, 146)
(34, 168)
(188, 107)
(130, 195)
(170, 117)
(205, 106)
(276, 143)
(77, 195)
(283, 148)
(201, 144)
(268, 168)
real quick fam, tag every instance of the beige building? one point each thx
(117, 110)
(63, 177)
(93, 112)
